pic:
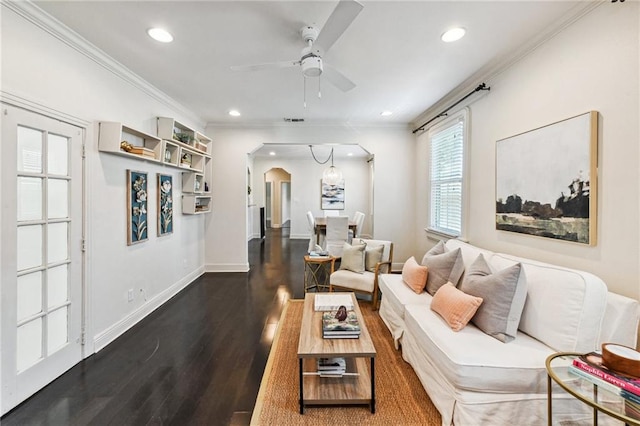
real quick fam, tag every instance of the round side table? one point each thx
(317, 270)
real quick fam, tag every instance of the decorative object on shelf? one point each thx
(206, 187)
(332, 196)
(183, 137)
(137, 230)
(167, 155)
(165, 204)
(331, 175)
(125, 146)
(185, 160)
(560, 202)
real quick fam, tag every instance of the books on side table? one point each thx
(590, 367)
(340, 324)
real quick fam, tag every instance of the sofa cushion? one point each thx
(353, 257)
(397, 294)
(454, 306)
(504, 294)
(564, 308)
(444, 266)
(472, 360)
(362, 282)
(414, 275)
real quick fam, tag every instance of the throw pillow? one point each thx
(504, 293)
(353, 257)
(414, 275)
(372, 255)
(443, 267)
(454, 306)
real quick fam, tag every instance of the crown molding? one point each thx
(38, 17)
(491, 71)
(308, 124)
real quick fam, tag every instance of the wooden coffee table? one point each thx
(358, 388)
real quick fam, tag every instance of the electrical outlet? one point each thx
(130, 295)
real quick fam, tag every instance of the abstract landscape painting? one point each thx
(546, 181)
(332, 197)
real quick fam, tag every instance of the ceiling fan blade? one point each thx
(265, 66)
(340, 19)
(338, 79)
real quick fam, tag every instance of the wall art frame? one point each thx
(165, 204)
(332, 196)
(137, 216)
(546, 180)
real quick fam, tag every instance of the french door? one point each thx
(42, 251)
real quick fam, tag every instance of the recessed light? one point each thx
(386, 113)
(453, 34)
(272, 153)
(234, 113)
(160, 35)
(350, 154)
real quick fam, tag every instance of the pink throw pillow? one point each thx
(414, 275)
(455, 306)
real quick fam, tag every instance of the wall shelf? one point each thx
(192, 156)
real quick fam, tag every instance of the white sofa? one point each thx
(475, 379)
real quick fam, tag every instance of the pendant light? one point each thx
(331, 175)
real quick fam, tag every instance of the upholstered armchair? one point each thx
(361, 263)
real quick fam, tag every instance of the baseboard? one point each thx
(299, 236)
(102, 339)
(226, 267)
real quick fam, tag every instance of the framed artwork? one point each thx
(165, 204)
(546, 180)
(332, 196)
(137, 218)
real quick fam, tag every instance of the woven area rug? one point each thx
(400, 397)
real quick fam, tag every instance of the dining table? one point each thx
(321, 227)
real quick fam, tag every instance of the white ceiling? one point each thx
(392, 51)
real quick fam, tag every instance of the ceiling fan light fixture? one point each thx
(160, 34)
(453, 34)
(311, 66)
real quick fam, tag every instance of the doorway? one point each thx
(42, 265)
(278, 197)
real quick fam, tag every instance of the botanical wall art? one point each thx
(332, 196)
(165, 204)
(546, 180)
(137, 219)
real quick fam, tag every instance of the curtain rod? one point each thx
(480, 87)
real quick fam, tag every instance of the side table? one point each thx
(584, 390)
(317, 270)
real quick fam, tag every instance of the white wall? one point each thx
(306, 176)
(591, 65)
(393, 147)
(44, 70)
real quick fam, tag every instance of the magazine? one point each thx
(592, 363)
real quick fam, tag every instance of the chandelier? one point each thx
(331, 175)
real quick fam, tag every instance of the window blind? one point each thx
(446, 178)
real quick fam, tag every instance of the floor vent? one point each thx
(293, 120)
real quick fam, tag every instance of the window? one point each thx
(447, 148)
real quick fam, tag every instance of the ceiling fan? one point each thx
(318, 42)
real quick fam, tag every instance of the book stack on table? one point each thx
(332, 367)
(335, 327)
(590, 367)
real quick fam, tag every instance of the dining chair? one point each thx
(337, 234)
(312, 231)
(358, 218)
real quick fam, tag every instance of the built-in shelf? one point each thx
(196, 204)
(191, 156)
(112, 134)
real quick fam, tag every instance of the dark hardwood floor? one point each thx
(198, 359)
